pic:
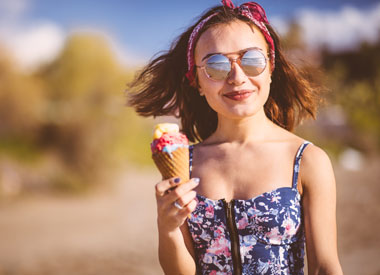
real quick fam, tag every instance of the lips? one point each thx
(239, 95)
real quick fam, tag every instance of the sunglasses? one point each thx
(218, 66)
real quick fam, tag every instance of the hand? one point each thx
(169, 193)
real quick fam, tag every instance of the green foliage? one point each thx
(21, 100)
(73, 109)
(354, 78)
(19, 148)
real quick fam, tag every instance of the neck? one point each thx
(254, 128)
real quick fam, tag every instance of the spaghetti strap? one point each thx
(297, 162)
(191, 148)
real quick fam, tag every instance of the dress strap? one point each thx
(297, 162)
(191, 148)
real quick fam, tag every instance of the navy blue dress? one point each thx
(261, 235)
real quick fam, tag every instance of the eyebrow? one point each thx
(238, 52)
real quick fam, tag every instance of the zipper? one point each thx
(235, 245)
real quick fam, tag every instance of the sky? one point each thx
(35, 30)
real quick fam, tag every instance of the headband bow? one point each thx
(252, 11)
(249, 9)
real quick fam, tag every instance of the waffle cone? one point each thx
(176, 165)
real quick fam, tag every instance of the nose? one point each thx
(236, 76)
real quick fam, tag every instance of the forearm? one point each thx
(173, 255)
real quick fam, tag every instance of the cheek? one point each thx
(266, 86)
(202, 78)
(266, 78)
(262, 81)
(207, 86)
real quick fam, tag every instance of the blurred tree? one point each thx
(354, 77)
(86, 121)
(21, 109)
(67, 126)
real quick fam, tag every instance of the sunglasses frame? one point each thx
(231, 60)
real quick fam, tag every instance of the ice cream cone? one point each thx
(170, 151)
(175, 164)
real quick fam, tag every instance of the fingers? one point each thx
(164, 186)
(187, 209)
(174, 198)
(181, 191)
(185, 199)
(190, 207)
(175, 202)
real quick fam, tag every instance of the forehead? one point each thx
(227, 38)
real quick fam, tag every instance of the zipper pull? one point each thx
(226, 208)
(230, 205)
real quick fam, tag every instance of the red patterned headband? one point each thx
(252, 11)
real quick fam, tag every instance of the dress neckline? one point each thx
(297, 162)
(253, 198)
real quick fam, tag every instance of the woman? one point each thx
(250, 206)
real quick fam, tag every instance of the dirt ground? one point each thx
(113, 231)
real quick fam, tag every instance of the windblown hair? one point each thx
(162, 88)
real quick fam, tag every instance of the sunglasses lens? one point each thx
(218, 66)
(253, 62)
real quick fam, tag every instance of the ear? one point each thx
(270, 75)
(200, 90)
(196, 85)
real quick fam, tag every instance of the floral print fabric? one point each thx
(269, 227)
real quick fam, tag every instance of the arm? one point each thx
(319, 204)
(175, 248)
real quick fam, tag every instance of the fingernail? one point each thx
(197, 180)
(177, 180)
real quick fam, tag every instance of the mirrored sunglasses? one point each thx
(253, 62)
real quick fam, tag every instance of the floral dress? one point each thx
(261, 235)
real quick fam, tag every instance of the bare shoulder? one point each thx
(316, 168)
(314, 158)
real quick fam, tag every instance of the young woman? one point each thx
(250, 206)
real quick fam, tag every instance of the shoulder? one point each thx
(314, 158)
(316, 168)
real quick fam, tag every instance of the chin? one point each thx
(241, 110)
(241, 114)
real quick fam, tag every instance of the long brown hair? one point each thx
(161, 88)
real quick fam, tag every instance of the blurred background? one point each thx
(76, 177)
